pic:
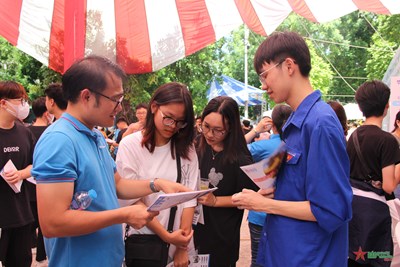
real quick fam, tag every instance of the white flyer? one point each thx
(165, 201)
(10, 167)
(201, 260)
(263, 173)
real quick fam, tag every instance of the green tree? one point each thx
(22, 68)
(385, 42)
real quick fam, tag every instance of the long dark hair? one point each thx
(173, 92)
(340, 113)
(235, 145)
(395, 121)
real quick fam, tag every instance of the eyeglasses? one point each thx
(205, 128)
(117, 101)
(22, 100)
(168, 121)
(262, 75)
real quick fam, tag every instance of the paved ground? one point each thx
(245, 250)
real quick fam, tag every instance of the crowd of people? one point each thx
(326, 208)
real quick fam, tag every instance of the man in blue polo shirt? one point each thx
(307, 222)
(72, 156)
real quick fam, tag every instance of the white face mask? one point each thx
(50, 118)
(20, 111)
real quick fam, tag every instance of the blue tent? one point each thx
(236, 90)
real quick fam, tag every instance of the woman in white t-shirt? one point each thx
(151, 153)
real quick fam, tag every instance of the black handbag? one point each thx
(150, 250)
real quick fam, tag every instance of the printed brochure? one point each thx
(165, 201)
(263, 173)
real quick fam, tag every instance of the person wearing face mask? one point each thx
(16, 144)
(43, 119)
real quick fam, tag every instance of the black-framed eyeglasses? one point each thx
(205, 128)
(262, 77)
(117, 101)
(168, 121)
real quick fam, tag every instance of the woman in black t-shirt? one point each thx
(222, 150)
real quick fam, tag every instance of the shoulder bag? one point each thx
(149, 250)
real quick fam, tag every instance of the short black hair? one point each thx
(39, 106)
(372, 98)
(92, 73)
(141, 105)
(281, 45)
(280, 114)
(246, 123)
(121, 119)
(55, 91)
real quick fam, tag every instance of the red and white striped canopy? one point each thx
(147, 35)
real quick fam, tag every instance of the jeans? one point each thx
(255, 233)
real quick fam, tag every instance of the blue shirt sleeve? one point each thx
(54, 159)
(262, 149)
(328, 173)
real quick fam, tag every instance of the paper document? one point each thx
(31, 180)
(165, 201)
(110, 141)
(201, 260)
(9, 167)
(263, 173)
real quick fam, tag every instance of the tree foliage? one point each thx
(344, 53)
(385, 43)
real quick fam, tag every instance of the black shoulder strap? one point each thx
(359, 154)
(172, 211)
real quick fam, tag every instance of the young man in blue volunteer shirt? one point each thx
(307, 222)
(72, 156)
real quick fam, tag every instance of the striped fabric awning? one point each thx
(147, 35)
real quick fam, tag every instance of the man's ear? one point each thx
(290, 65)
(2, 102)
(85, 95)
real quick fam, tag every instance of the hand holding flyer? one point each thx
(263, 173)
(165, 201)
(7, 168)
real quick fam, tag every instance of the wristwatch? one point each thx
(153, 186)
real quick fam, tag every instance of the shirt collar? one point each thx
(79, 126)
(297, 117)
(274, 136)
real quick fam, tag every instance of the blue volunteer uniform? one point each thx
(262, 149)
(316, 170)
(69, 152)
